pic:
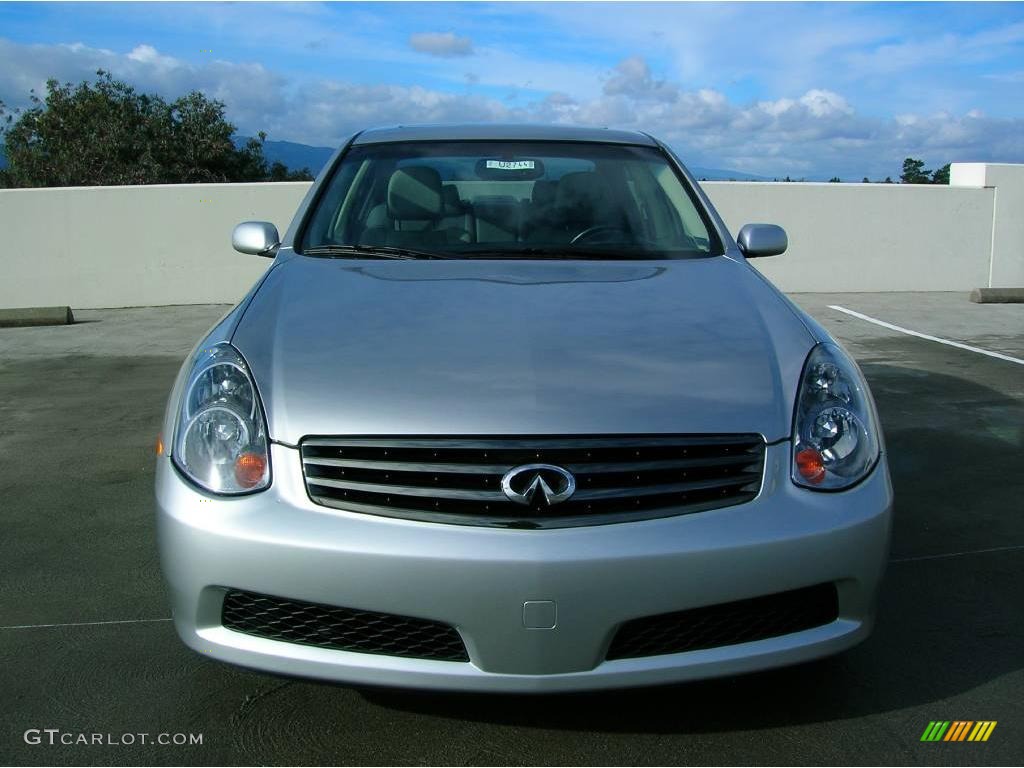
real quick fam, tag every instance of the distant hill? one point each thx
(295, 156)
(717, 174)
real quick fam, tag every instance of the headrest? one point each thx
(544, 192)
(414, 193)
(450, 198)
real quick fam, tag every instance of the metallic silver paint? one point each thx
(492, 347)
(756, 240)
(258, 238)
(477, 579)
(370, 347)
(500, 132)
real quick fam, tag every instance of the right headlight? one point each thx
(221, 438)
(835, 433)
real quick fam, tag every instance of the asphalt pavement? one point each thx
(86, 646)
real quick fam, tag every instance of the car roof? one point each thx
(501, 132)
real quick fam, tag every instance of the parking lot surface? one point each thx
(86, 645)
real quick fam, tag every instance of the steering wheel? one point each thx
(588, 233)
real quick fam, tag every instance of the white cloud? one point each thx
(632, 78)
(813, 132)
(444, 44)
(147, 54)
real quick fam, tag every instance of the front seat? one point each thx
(581, 201)
(415, 208)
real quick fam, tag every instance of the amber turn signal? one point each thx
(249, 469)
(810, 465)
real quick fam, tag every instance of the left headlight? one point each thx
(221, 437)
(835, 431)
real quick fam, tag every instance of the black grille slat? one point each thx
(713, 626)
(344, 629)
(428, 491)
(600, 475)
(458, 480)
(517, 451)
(596, 467)
(665, 489)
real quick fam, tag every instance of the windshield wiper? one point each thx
(371, 251)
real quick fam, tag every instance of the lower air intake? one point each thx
(713, 626)
(343, 629)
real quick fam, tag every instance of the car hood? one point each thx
(341, 347)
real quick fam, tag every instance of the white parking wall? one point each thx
(867, 237)
(89, 247)
(1006, 269)
(157, 245)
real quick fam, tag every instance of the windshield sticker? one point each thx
(511, 165)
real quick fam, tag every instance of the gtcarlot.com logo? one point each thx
(55, 737)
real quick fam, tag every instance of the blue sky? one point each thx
(808, 90)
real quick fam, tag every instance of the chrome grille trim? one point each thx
(457, 480)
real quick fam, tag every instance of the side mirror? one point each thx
(757, 240)
(258, 238)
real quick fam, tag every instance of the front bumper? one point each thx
(477, 579)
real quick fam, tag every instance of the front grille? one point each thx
(343, 629)
(458, 480)
(712, 626)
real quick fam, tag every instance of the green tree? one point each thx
(888, 180)
(941, 175)
(835, 180)
(914, 172)
(106, 133)
(865, 180)
(279, 172)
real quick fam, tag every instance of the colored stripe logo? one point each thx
(959, 730)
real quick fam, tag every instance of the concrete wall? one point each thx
(1006, 262)
(93, 247)
(137, 246)
(867, 237)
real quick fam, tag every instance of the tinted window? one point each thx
(509, 199)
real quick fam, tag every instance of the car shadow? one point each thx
(946, 624)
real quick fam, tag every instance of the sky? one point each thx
(808, 90)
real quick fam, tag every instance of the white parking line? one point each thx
(84, 623)
(947, 342)
(958, 554)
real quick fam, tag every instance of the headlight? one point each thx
(835, 436)
(221, 438)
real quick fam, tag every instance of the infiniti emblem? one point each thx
(522, 483)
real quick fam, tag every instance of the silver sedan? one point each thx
(511, 411)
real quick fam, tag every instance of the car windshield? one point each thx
(490, 199)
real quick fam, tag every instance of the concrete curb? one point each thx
(998, 295)
(16, 318)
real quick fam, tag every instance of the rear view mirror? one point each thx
(756, 240)
(258, 238)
